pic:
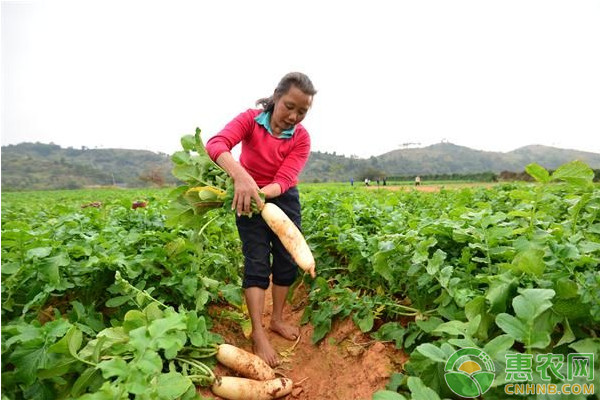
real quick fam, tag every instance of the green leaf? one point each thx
(396, 381)
(430, 324)
(84, 381)
(59, 368)
(387, 395)
(150, 363)
(117, 301)
(232, 293)
(37, 391)
(391, 331)
(501, 287)
(477, 307)
(134, 319)
(530, 261)
(27, 361)
(188, 142)
(565, 288)
(115, 338)
(498, 346)
(575, 172)
(180, 158)
(532, 303)
(321, 330)
(188, 173)
(153, 312)
(196, 330)
(172, 385)
(21, 334)
(381, 266)
(116, 367)
(75, 339)
(432, 352)
(512, 326)
(202, 297)
(139, 339)
(365, 323)
(589, 345)
(530, 334)
(568, 335)
(538, 172)
(98, 349)
(419, 391)
(435, 262)
(159, 327)
(51, 266)
(38, 252)
(10, 268)
(108, 391)
(457, 328)
(138, 381)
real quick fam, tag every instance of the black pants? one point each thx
(259, 243)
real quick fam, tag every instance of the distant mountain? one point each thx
(438, 159)
(450, 158)
(34, 166)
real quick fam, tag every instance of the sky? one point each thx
(490, 75)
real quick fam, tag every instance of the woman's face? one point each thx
(290, 109)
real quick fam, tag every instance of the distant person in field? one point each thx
(417, 181)
(366, 181)
(351, 181)
(275, 148)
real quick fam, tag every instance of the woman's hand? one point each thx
(245, 189)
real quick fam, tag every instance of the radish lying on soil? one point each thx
(233, 388)
(244, 363)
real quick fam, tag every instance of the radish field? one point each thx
(105, 295)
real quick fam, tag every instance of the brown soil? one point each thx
(345, 365)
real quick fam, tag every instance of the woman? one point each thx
(275, 148)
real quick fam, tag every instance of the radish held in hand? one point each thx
(244, 363)
(208, 186)
(290, 237)
(233, 388)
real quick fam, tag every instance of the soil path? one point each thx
(345, 365)
(433, 187)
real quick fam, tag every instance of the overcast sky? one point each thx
(490, 75)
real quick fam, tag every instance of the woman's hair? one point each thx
(298, 79)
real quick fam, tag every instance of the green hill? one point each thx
(38, 166)
(35, 166)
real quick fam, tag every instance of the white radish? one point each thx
(234, 388)
(244, 362)
(290, 237)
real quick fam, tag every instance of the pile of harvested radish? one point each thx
(258, 381)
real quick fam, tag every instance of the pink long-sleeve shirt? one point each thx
(266, 158)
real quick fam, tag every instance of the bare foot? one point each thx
(263, 348)
(286, 330)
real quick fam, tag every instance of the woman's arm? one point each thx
(219, 149)
(271, 190)
(290, 169)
